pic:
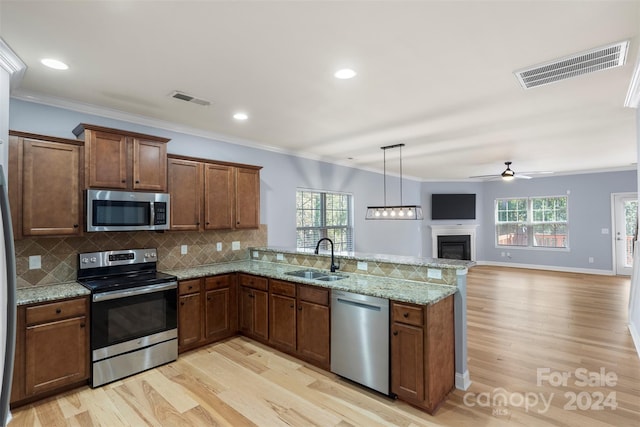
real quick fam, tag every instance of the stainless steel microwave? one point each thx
(110, 210)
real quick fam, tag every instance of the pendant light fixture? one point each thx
(393, 212)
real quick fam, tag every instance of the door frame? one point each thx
(614, 196)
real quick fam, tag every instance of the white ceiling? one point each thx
(435, 75)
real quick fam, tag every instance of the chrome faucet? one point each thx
(334, 267)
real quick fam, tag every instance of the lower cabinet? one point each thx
(314, 325)
(254, 306)
(282, 315)
(52, 348)
(422, 352)
(207, 310)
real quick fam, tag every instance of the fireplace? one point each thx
(453, 231)
(454, 246)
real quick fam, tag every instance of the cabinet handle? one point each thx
(123, 181)
(58, 311)
(207, 223)
(208, 298)
(191, 287)
(198, 223)
(291, 306)
(75, 225)
(238, 223)
(181, 302)
(395, 332)
(82, 325)
(406, 315)
(137, 182)
(299, 308)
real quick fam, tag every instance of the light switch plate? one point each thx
(184, 249)
(235, 246)
(35, 262)
(219, 246)
(256, 254)
(362, 265)
(434, 273)
(279, 257)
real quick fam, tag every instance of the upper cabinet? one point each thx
(207, 195)
(44, 185)
(123, 160)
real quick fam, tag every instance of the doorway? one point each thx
(625, 223)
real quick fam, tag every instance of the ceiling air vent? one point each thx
(188, 98)
(602, 58)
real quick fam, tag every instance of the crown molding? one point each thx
(12, 64)
(633, 93)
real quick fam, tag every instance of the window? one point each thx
(532, 222)
(323, 214)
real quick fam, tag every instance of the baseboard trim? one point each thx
(463, 382)
(635, 336)
(548, 267)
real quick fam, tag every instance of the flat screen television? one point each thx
(453, 206)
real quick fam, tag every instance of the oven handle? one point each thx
(105, 296)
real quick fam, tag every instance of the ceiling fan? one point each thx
(508, 174)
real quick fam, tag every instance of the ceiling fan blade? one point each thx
(485, 176)
(522, 176)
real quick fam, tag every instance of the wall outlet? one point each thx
(219, 246)
(235, 246)
(256, 254)
(434, 273)
(35, 262)
(590, 260)
(279, 257)
(184, 250)
(605, 231)
(362, 265)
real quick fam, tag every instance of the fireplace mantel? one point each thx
(453, 230)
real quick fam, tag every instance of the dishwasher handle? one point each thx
(359, 304)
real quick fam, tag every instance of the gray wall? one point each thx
(589, 201)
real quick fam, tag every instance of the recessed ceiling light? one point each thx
(240, 116)
(345, 73)
(54, 63)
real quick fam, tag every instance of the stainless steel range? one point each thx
(133, 313)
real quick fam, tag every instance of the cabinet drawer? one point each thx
(313, 294)
(217, 282)
(56, 310)
(409, 314)
(282, 288)
(254, 282)
(189, 286)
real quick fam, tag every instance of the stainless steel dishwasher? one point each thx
(360, 339)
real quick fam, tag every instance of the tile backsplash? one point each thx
(59, 255)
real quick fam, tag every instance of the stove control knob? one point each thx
(153, 254)
(84, 260)
(93, 259)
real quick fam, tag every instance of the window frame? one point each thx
(531, 225)
(324, 228)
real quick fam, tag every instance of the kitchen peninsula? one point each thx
(257, 296)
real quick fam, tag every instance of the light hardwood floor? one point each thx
(519, 322)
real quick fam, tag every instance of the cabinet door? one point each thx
(313, 333)
(51, 193)
(407, 361)
(218, 197)
(56, 354)
(189, 330)
(246, 310)
(282, 322)
(247, 206)
(220, 313)
(185, 189)
(149, 165)
(106, 160)
(261, 314)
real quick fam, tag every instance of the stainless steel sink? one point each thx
(317, 275)
(307, 274)
(332, 277)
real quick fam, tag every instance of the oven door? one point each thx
(125, 320)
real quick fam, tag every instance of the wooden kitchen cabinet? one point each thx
(44, 185)
(282, 315)
(123, 160)
(52, 349)
(209, 195)
(254, 306)
(189, 313)
(314, 325)
(221, 307)
(207, 310)
(422, 352)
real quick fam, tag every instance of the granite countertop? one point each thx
(384, 287)
(46, 293)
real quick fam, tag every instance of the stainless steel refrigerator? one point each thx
(7, 301)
